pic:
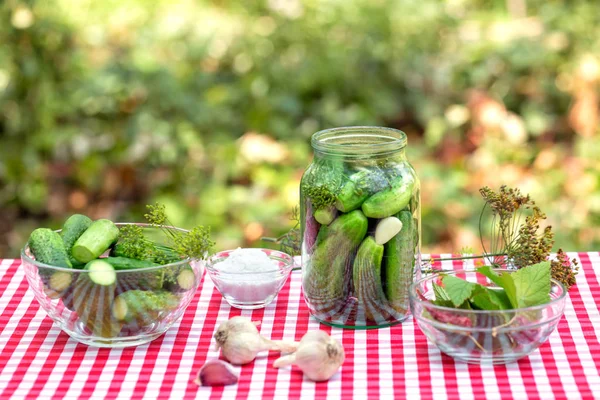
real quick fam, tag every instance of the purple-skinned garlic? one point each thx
(216, 373)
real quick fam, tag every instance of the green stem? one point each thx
(467, 257)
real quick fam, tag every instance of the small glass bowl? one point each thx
(250, 290)
(85, 311)
(494, 337)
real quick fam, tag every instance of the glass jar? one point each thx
(361, 227)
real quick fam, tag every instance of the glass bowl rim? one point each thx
(288, 259)
(184, 261)
(458, 311)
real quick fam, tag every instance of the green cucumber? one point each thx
(125, 263)
(352, 194)
(390, 201)
(72, 229)
(48, 248)
(95, 240)
(101, 272)
(93, 296)
(142, 280)
(400, 261)
(366, 276)
(144, 307)
(361, 185)
(325, 215)
(180, 279)
(326, 275)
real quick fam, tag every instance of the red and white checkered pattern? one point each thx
(37, 360)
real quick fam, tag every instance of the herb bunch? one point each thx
(290, 241)
(194, 244)
(519, 241)
(515, 236)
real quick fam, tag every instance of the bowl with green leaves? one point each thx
(488, 315)
(112, 284)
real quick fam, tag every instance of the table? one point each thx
(38, 360)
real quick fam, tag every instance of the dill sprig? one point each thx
(564, 270)
(133, 244)
(289, 242)
(515, 237)
(320, 196)
(195, 244)
(514, 229)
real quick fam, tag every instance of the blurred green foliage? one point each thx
(208, 107)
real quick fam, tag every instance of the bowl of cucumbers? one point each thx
(114, 284)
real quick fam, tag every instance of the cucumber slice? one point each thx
(186, 279)
(180, 280)
(101, 272)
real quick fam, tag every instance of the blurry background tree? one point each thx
(208, 107)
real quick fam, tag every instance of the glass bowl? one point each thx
(494, 337)
(148, 301)
(250, 290)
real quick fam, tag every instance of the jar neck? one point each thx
(359, 142)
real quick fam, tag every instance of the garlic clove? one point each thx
(216, 373)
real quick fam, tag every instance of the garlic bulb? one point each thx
(240, 341)
(319, 356)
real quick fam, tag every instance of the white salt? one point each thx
(248, 260)
(248, 276)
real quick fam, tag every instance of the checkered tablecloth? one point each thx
(38, 360)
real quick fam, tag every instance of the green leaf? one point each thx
(490, 299)
(443, 303)
(440, 293)
(457, 289)
(532, 284)
(504, 280)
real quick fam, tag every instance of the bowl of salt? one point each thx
(249, 278)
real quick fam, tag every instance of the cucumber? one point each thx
(95, 240)
(125, 263)
(400, 261)
(180, 279)
(352, 194)
(48, 248)
(327, 274)
(93, 296)
(366, 276)
(101, 272)
(142, 280)
(143, 307)
(72, 229)
(326, 215)
(390, 201)
(360, 186)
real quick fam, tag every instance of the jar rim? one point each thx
(358, 140)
